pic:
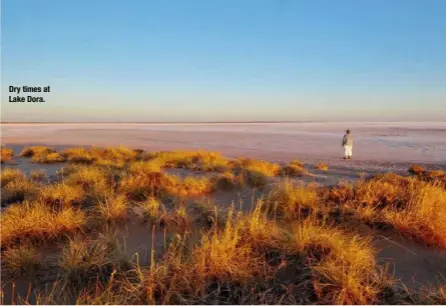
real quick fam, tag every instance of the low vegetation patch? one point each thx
(6, 154)
(36, 151)
(321, 166)
(299, 244)
(35, 220)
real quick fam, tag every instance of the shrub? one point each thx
(321, 166)
(19, 190)
(50, 158)
(23, 259)
(11, 175)
(113, 207)
(290, 202)
(293, 170)
(253, 178)
(416, 169)
(35, 151)
(36, 220)
(260, 166)
(6, 154)
(62, 195)
(37, 175)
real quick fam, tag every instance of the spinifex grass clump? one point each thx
(413, 207)
(6, 154)
(35, 220)
(260, 166)
(17, 188)
(22, 259)
(9, 175)
(85, 261)
(35, 151)
(48, 158)
(62, 195)
(92, 179)
(292, 201)
(321, 166)
(227, 181)
(305, 263)
(113, 206)
(199, 160)
(294, 168)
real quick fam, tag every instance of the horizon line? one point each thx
(208, 122)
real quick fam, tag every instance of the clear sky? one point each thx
(209, 60)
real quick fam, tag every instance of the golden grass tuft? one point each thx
(35, 151)
(37, 175)
(49, 158)
(113, 207)
(10, 175)
(416, 169)
(85, 261)
(226, 181)
(22, 259)
(189, 186)
(94, 180)
(35, 220)
(62, 195)
(260, 166)
(6, 154)
(152, 208)
(321, 166)
(253, 178)
(411, 206)
(194, 160)
(19, 190)
(290, 201)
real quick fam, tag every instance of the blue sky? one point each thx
(226, 60)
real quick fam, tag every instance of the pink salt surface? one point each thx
(377, 145)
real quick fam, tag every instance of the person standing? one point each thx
(347, 143)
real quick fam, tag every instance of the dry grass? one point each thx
(6, 155)
(226, 181)
(18, 190)
(36, 151)
(253, 178)
(411, 206)
(23, 259)
(416, 169)
(290, 201)
(86, 261)
(48, 158)
(38, 175)
(189, 186)
(62, 195)
(94, 180)
(113, 207)
(260, 166)
(235, 261)
(285, 251)
(152, 208)
(35, 220)
(321, 166)
(201, 160)
(10, 175)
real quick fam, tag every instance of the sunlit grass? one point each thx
(35, 220)
(6, 154)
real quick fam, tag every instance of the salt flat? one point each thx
(391, 143)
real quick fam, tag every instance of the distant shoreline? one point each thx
(218, 122)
